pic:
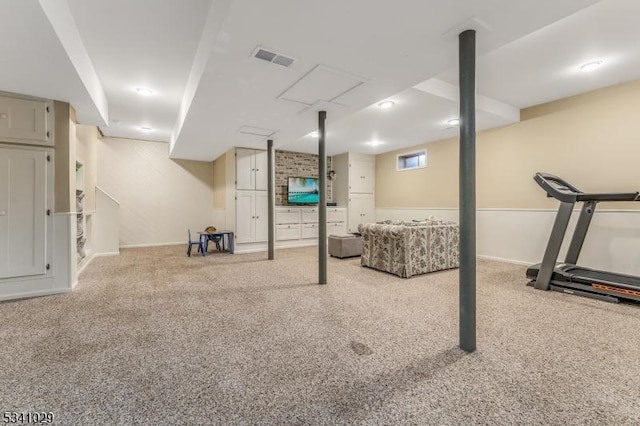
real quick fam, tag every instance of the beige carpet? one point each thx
(154, 337)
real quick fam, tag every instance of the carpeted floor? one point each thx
(154, 337)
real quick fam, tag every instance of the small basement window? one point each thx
(412, 160)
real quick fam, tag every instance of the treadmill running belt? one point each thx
(590, 275)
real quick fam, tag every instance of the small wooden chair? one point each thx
(194, 243)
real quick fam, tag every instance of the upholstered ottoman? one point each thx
(345, 245)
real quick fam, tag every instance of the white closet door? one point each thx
(22, 212)
(262, 163)
(361, 177)
(245, 217)
(262, 212)
(245, 168)
(361, 210)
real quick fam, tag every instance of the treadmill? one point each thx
(568, 277)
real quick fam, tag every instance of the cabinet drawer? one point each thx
(310, 230)
(310, 215)
(336, 228)
(287, 216)
(336, 215)
(287, 232)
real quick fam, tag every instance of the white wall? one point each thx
(159, 198)
(521, 235)
(106, 232)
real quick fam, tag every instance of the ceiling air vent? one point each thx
(257, 131)
(273, 57)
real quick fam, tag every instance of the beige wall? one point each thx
(65, 200)
(219, 182)
(159, 198)
(87, 154)
(590, 140)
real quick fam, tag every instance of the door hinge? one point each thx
(48, 266)
(48, 212)
(48, 158)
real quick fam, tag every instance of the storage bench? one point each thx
(345, 245)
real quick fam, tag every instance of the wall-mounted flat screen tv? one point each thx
(302, 190)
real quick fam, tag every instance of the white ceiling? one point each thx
(141, 43)
(195, 56)
(544, 65)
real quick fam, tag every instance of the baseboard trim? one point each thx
(34, 294)
(504, 260)
(153, 245)
(84, 265)
(255, 248)
(506, 209)
(115, 253)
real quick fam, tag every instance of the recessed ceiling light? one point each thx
(146, 129)
(386, 104)
(454, 122)
(590, 66)
(375, 143)
(314, 134)
(144, 91)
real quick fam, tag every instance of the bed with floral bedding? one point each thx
(410, 248)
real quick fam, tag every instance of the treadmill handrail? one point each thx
(568, 193)
(565, 192)
(613, 196)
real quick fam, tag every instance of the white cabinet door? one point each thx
(245, 168)
(245, 217)
(261, 165)
(22, 120)
(310, 215)
(336, 214)
(361, 177)
(23, 198)
(287, 232)
(287, 215)
(336, 228)
(310, 230)
(361, 210)
(262, 219)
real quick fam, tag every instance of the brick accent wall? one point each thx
(289, 163)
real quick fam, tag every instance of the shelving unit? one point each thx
(81, 238)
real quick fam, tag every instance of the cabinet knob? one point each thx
(3, 213)
(3, 116)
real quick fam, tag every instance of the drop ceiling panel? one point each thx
(322, 83)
